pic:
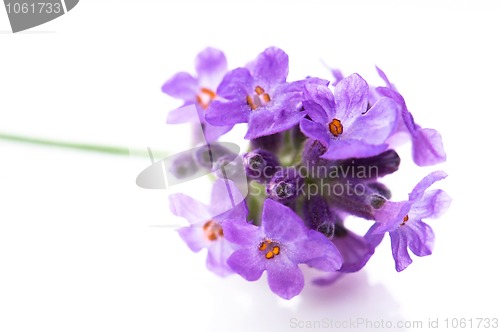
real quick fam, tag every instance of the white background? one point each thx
(78, 247)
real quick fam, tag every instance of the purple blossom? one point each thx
(208, 223)
(342, 122)
(278, 246)
(403, 221)
(427, 145)
(259, 95)
(211, 66)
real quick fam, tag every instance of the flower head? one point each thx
(342, 121)
(278, 246)
(403, 221)
(208, 223)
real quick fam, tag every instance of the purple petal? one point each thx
(388, 217)
(344, 149)
(267, 121)
(317, 252)
(227, 113)
(425, 183)
(185, 114)
(285, 279)
(212, 133)
(243, 233)
(376, 125)
(384, 77)
(270, 67)
(337, 75)
(194, 237)
(355, 251)
(319, 95)
(181, 86)
(400, 254)
(281, 223)
(247, 263)
(427, 147)
(351, 98)
(189, 208)
(211, 65)
(315, 130)
(432, 205)
(227, 198)
(420, 237)
(237, 84)
(218, 253)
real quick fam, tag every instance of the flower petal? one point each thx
(181, 86)
(212, 133)
(355, 251)
(351, 98)
(427, 147)
(270, 67)
(315, 131)
(242, 233)
(319, 95)
(226, 199)
(350, 148)
(227, 113)
(217, 256)
(189, 208)
(426, 182)
(420, 237)
(399, 244)
(376, 125)
(267, 121)
(211, 65)
(285, 278)
(194, 237)
(237, 84)
(247, 263)
(432, 205)
(317, 252)
(281, 223)
(185, 114)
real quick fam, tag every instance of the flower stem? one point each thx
(105, 149)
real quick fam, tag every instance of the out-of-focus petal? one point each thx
(427, 147)
(227, 113)
(218, 253)
(181, 86)
(211, 65)
(189, 208)
(270, 67)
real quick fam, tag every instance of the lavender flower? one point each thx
(342, 122)
(208, 224)
(278, 246)
(316, 158)
(403, 221)
(259, 95)
(211, 66)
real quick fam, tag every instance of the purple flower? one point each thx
(427, 145)
(278, 246)
(259, 95)
(403, 221)
(208, 223)
(342, 122)
(211, 66)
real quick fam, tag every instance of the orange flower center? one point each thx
(212, 230)
(259, 99)
(269, 248)
(405, 219)
(205, 97)
(336, 127)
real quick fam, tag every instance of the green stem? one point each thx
(105, 149)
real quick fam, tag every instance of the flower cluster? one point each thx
(317, 152)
